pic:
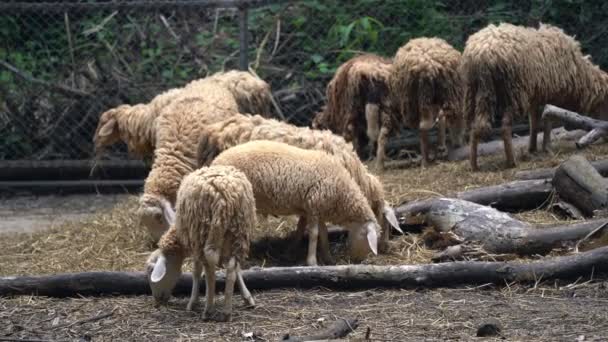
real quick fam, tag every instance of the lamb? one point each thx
(241, 128)
(512, 70)
(214, 220)
(135, 125)
(424, 87)
(178, 132)
(356, 94)
(288, 180)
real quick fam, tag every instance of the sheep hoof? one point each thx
(190, 307)
(249, 302)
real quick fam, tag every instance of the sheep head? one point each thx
(362, 240)
(156, 214)
(163, 271)
(107, 132)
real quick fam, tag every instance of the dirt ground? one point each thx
(109, 238)
(26, 214)
(543, 313)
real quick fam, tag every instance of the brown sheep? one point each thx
(355, 95)
(512, 70)
(425, 88)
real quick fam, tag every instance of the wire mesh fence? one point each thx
(63, 63)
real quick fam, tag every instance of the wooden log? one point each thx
(596, 128)
(496, 146)
(577, 182)
(511, 197)
(600, 165)
(498, 232)
(338, 329)
(343, 277)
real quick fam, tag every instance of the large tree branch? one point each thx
(334, 277)
(596, 128)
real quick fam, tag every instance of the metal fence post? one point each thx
(243, 39)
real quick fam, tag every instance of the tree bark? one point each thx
(338, 329)
(496, 146)
(512, 196)
(596, 128)
(341, 277)
(498, 232)
(600, 165)
(577, 182)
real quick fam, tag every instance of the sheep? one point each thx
(178, 131)
(215, 216)
(252, 94)
(356, 94)
(241, 128)
(512, 70)
(135, 125)
(424, 87)
(288, 180)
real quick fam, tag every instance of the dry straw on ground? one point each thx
(114, 240)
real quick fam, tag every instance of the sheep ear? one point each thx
(168, 212)
(372, 238)
(160, 269)
(389, 215)
(107, 128)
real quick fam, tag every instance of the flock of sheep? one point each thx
(216, 166)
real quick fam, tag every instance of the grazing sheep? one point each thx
(512, 70)
(178, 131)
(241, 128)
(252, 94)
(356, 95)
(425, 88)
(215, 217)
(288, 180)
(135, 125)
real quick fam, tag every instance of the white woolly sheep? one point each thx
(214, 220)
(135, 125)
(356, 95)
(241, 128)
(288, 180)
(425, 88)
(512, 70)
(178, 132)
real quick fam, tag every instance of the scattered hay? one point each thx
(113, 240)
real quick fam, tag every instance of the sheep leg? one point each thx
(380, 152)
(298, 235)
(197, 269)
(532, 143)
(424, 146)
(231, 275)
(324, 242)
(247, 297)
(313, 235)
(209, 288)
(442, 149)
(508, 140)
(474, 141)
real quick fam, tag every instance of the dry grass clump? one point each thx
(114, 240)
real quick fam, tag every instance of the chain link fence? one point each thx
(63, 63)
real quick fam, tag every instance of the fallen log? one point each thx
(343, 277)
(511, 197)
(338, 329)
(496, 146)
(600, 165)
(577, 182)
(596, 128)
(498, 232)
